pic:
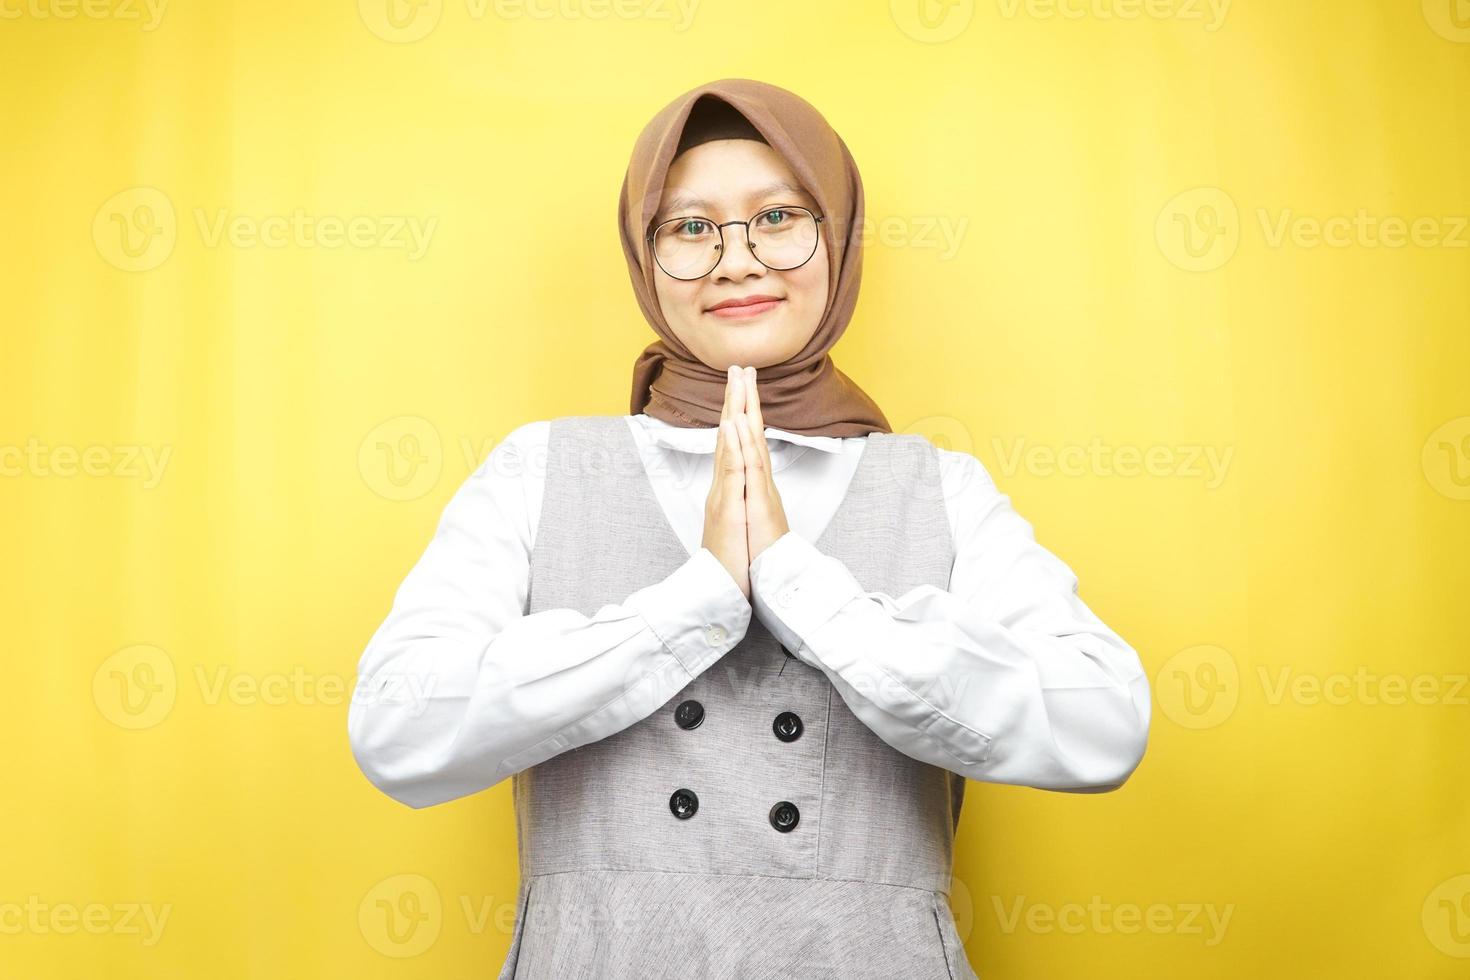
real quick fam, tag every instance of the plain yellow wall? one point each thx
(1192, 279)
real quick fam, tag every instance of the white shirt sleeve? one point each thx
(459, 688)
(1007, 677)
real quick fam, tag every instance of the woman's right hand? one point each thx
(724, 509)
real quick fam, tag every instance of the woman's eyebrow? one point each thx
(684, 202)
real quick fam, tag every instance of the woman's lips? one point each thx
(745, 312)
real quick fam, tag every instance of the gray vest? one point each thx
(613, 884)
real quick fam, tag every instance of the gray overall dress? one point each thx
(725, 838)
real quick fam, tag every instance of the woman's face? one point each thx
(734, 180)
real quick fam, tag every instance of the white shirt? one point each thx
(1005, 677)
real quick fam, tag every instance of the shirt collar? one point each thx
(702, 439)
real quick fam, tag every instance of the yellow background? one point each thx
(1130, 277)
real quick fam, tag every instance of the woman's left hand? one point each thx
(765, 518)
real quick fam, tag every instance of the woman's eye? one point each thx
(775, 216)
(693, 227)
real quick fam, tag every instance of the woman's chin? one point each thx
(755, 345)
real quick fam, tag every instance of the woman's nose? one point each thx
(736, 258)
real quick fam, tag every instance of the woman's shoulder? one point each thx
(536, 434)
(963, 467)
(969, 489)
(957, 467)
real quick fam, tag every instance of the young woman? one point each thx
(740, 649)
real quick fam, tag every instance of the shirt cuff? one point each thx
(796, 589)
(698, 612)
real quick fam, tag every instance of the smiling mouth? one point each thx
(747, 312)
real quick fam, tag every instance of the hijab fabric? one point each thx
(806, 394)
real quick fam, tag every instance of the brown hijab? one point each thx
(805, 394)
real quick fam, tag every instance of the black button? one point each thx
(689, 714)
(784, 816)
(787, 652)
(787, 726)
(683, 803)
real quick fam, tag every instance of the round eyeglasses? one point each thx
(781, 238)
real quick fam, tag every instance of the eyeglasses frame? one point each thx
(819, 218)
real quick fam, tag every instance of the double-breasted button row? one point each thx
(683, 803)
(787, 725)
(784, 816)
